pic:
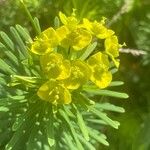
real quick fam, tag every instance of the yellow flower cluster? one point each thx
(67, 73)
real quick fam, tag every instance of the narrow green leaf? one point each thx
(35, 73)
(2, 81)
(64, 115)
(37, 24)
(98, 138)
(114, 70)
(83, 99)
(91, 129)
(88, 51)
(103, 116)
(116, 83)
(33, 139)
(69, 142)
(87, 144)
(106, 93)
(5, 67)
(56, 22)
(96, 121)
(9, 54)
(7, 40)
(110, 107)
(82, 126)
(26, 79)
(20, 120)
(30, 18)
(17, 97)
(18, 135)
(23, 130)
(67, 110)
(24, 34)
(20, 42)
(50, 127)
(10, 102)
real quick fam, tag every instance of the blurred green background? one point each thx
(131, 21)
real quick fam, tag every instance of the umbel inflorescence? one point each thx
(64, 62)
(52, 85)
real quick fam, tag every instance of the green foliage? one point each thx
(132, 26)
(88, 9)
(28, 122)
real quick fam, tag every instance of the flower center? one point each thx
(76, 72)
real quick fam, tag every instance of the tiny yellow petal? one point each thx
(78, 40)
(116, 61)
(80, 74)
(54, 93)
(112, 46)
(45, 42)
(63, 18)
(87, 24)
(101, 79)
(54, 66)
(99, 65)
(71, 22)
(41, 48)
(97, 29)
(99, 59)
(50, 36)
(62, 32)
(82, 40)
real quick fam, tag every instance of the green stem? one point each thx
(30, 17)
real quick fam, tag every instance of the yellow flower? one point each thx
(78, 39)
(54, 66)
(98, 29)
(80, 74)
(112, 48)
(65, 75)
(71, 22)
(55, 93)
(99, 65)
(45, 42)
(62, 32)
(73, 36)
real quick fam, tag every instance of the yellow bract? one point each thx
(71, 22)
(112, 48)
(73, 35)
(101, 77)
(62, 32)
(82, 40)
(99, 65)
(80, 74)
(78, 39)
(98, 29)
(54, 66)
(45, 42)
(39, 47)
(53, 92)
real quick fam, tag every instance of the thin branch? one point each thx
(128, 4)
(134, 52)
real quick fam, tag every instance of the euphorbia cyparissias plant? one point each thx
(53, 100)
